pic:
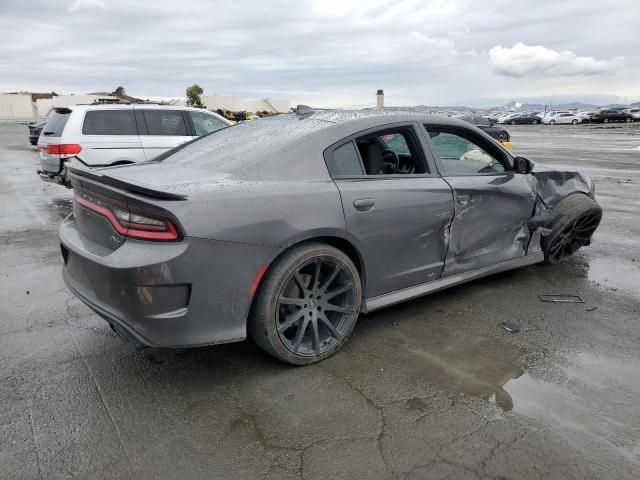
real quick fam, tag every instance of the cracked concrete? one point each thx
(432, 389)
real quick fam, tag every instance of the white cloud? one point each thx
(521, 60)
(87, 5)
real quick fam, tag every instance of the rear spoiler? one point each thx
(131, 187)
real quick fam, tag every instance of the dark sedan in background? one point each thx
(35, 129)
(489, 127)
(523, 119)
(606, 115)
(287, 228)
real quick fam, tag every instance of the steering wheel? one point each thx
(392, 159)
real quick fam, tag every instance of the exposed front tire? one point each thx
(307, 304)
(576, 217)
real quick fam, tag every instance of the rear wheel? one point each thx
(307, 304)
(576, 218)
(503, 136)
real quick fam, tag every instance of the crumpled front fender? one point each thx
(554, 185)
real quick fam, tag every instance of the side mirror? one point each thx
(522, 165)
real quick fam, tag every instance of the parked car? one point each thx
(102, 135)
(584, 117)
(489, 127)
(287, 228)
(606, 115)
(35, 129)
(522, 118)
(561, 118)
(634, 112)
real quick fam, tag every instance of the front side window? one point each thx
(391, 152)
(165, 122)
(109, 122)
(461, 156)
(205, 123)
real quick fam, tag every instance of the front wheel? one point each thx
(552, 122)
(535, 122)
(627, 119)
(606, 120)
(574, 122)
(513, 122)
(307, 305)
(576, 217)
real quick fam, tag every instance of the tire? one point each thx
(627, 119)
(606, 120)
(513, 122)
(576, 217)
(535, 122)
(552, 122)
(574, 122)
(290, 301)
(503, 136)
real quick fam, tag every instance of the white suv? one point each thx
(103, 135)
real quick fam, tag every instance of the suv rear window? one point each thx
(55, 124)
(165, 122)
(109, 122)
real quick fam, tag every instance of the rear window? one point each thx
(165, 122)
(55, 124)
(109, 122)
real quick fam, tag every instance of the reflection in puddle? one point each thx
(462, 363)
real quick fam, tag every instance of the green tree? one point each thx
(193, 96)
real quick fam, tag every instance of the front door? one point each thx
(492, 203)
(396, 211)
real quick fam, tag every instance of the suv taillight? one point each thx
(63, 149)
(129, 222)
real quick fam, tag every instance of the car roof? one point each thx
(128, 106)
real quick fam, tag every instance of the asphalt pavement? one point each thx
(433, 388)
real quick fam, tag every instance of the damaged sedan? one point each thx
(288, 228)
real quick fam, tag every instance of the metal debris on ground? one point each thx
(562, 298)
(511, 327)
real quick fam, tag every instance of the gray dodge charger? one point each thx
(288, 228)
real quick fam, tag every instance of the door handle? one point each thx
(364, 204)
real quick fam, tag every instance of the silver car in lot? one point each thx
(103, 135)
(288, 228)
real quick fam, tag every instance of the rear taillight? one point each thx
(129, 222)
(63, 149)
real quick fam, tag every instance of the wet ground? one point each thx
(429, 389)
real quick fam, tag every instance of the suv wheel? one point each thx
(307, 305)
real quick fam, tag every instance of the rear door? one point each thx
(107, 137)
(396, 209)
(492, 203)
(162, 129)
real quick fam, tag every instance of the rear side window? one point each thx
(346, 161)
(109, 122)
(55, 124)
(165, 122)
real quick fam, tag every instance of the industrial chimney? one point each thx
(380, 100)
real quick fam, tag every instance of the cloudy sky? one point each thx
(328, 52)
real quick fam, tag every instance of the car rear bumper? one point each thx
(174, 294)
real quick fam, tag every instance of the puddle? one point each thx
(615, 274)
(596, 402)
